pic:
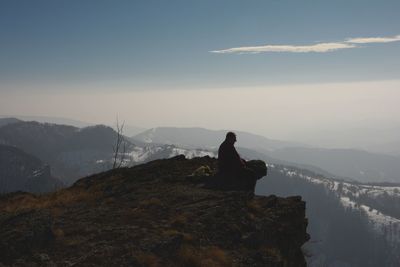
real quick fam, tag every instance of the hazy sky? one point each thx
(278, 68)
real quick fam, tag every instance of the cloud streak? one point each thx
(316, 48)
(319, 48)
(370, 40)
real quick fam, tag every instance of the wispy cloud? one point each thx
(320, 48)
(316, 48)
(369, 40)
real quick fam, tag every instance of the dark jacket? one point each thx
(229, 160)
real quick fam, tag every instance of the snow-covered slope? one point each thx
(381, 203)
(140, 154)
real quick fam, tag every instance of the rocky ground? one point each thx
(151, 215)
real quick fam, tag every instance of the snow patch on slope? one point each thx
(191, 153)
(349, 193)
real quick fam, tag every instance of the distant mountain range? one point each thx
(390, 148)
(347, 163)
(21, 171)
(74, 152)
(70, 151)
(208, 139)
(5, 121)
(129, 130)
(47, 119)
(350, 164)
(381, 137)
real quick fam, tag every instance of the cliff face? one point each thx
(151, 215)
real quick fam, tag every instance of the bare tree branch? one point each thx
(122, 157)
(120, 141)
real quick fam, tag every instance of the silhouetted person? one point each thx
(229, 161)
(232, 170)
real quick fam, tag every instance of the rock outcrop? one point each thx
(241, 181)
(151, 215)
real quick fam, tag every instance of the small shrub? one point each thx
(202, 171)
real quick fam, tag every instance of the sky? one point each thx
(283, 69)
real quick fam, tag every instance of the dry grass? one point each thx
(58, 233)
(190, 256)
(273, 252)
(73, 242)
(202, 171)
(53, 201)
(255, 207)
(179, 220)
(110, 200)
(170, 232)
(217, 256)
(147, 259)
(251, 216)
(188, 238)
(155, 202)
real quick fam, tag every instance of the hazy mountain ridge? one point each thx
(205, 138)
(40, 139)
(381, 137)
(351, 164)
(390, 148)
(348, 163)
(129, 130)
(76, 152)
(20, 171)
(249, 154)
(49, 119)
(5, 121)
(71, 152)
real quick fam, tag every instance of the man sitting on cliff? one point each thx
(235, 173)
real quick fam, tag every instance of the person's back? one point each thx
(229, 161)
(235, 173)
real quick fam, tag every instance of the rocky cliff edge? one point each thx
(151, 215)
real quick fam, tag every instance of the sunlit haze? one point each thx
(317, 73)
(293, 112)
